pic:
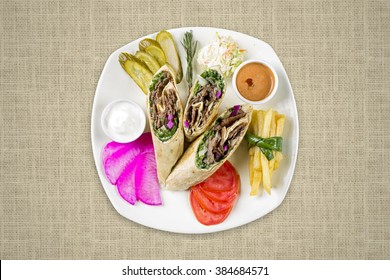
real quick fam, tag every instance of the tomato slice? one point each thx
(206, 217)
(213, 199)
(227, 196)
(211, 205)
(222, 180)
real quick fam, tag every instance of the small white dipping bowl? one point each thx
(262, 101)
(123, 121)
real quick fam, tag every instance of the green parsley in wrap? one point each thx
(202, 106)
(165, 114)
(210, 150)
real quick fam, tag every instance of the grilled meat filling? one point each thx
(201, 106)
(163, 103)
(221, 138)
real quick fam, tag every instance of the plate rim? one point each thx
(212, 229)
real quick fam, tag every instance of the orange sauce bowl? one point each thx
(255, 82)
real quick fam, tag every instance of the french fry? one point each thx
(266, 174)
(256, 159)
(251, 151)
(265, 133)
(272, 134)
(256, 172)
(271, 165)
(266, 124)
(278, 158)
(253, 125)
(280, 120)
(257, 116)
(272, 131)
(260, 120)
(256, 182)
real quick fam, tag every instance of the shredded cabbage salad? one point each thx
(223, 55)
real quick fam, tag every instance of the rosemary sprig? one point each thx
(190, 47)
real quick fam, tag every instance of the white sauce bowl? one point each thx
(123, 121)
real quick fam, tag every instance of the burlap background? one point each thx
(337, 55)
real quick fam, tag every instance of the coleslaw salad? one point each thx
(223, 55)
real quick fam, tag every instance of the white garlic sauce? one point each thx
(123, 121)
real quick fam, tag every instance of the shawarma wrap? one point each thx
(165, 113)
(207, 153)
(202, 105)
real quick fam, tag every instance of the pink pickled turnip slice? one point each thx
(147, 188)
(117, 162)
(111, 148)
(125, 183)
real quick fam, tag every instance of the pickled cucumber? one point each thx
(147, 42)
(137, 70)
(167, 43)
(153, 48)
(149, 60)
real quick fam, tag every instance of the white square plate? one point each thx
(175, 214)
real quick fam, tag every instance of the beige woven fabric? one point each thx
(337, 55)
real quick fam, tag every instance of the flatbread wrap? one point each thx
(210, 150)
(165, 113)
(203, 103)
